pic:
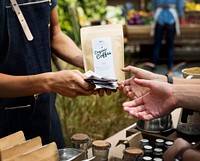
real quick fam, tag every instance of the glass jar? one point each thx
(143, 142)
(158, 152)
(148, 150)
(159, 143)
(81, 141)
(132, 154)
(100, 149)
(168, 144)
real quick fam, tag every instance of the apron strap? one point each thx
(22, 20)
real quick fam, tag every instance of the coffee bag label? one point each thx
(103, 57)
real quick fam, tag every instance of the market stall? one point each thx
(138, 24)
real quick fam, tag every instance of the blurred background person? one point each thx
(167, 15)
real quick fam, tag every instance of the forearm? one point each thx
(18, 86)
(186, 81)
(191, 154)
(62, 46)
(187, 96)
(67, 50)
(177, 80)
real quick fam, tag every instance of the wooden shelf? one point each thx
(190, 34)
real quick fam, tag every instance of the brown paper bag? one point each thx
(25, 147)
(48, 152)
(103, 50)
(12, 140)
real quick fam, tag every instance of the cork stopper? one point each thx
(80, 138)
(101, 144)
(133, 151)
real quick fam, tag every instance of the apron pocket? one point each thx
(18, 117)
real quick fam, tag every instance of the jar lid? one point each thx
(169, 143)
(159, 150)
(144, 141)
(147, 158)
(101, 144)
(133, 151)
(157, 159)
(148, 147)
(159, 140)
(80, 138)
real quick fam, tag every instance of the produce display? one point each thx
(132, 15)
(192, 6)
(192, 12)
(139, 17)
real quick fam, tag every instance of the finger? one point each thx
(143, 82)
(132, 111)
(131, 69)
(120, 83)
(131, 95)
(101, 92)
(145, 116)
(133, 103)
(108, 91)
(126, 90)
(79, 79)
(95, 92)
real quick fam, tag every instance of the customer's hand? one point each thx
(158, 102)
(70, 83)
(176, 150)
(130, 89)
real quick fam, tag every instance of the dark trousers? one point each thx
(169, 32)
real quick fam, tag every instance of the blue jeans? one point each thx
(160, 31)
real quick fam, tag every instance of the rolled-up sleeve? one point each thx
(53, 3)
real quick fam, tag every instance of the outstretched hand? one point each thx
(130, 89)
(157, 102)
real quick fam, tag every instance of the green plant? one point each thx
(68, 19)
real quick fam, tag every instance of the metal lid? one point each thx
(146, 158)
(144, 141)
(101, 144)
(169, 143)
(148, 147)
(80, 138)
(158, 150)
(157, 159)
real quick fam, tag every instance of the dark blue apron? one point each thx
(35, 116)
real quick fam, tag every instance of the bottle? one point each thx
(168, 144)
(143, 142)
(100, 149)
(80, 141)
(158, 152)
(132, 154)
(159, 143)
(148, 150)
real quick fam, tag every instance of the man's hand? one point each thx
(70, 83)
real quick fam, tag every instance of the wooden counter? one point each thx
(116, 149)
(190, 34)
